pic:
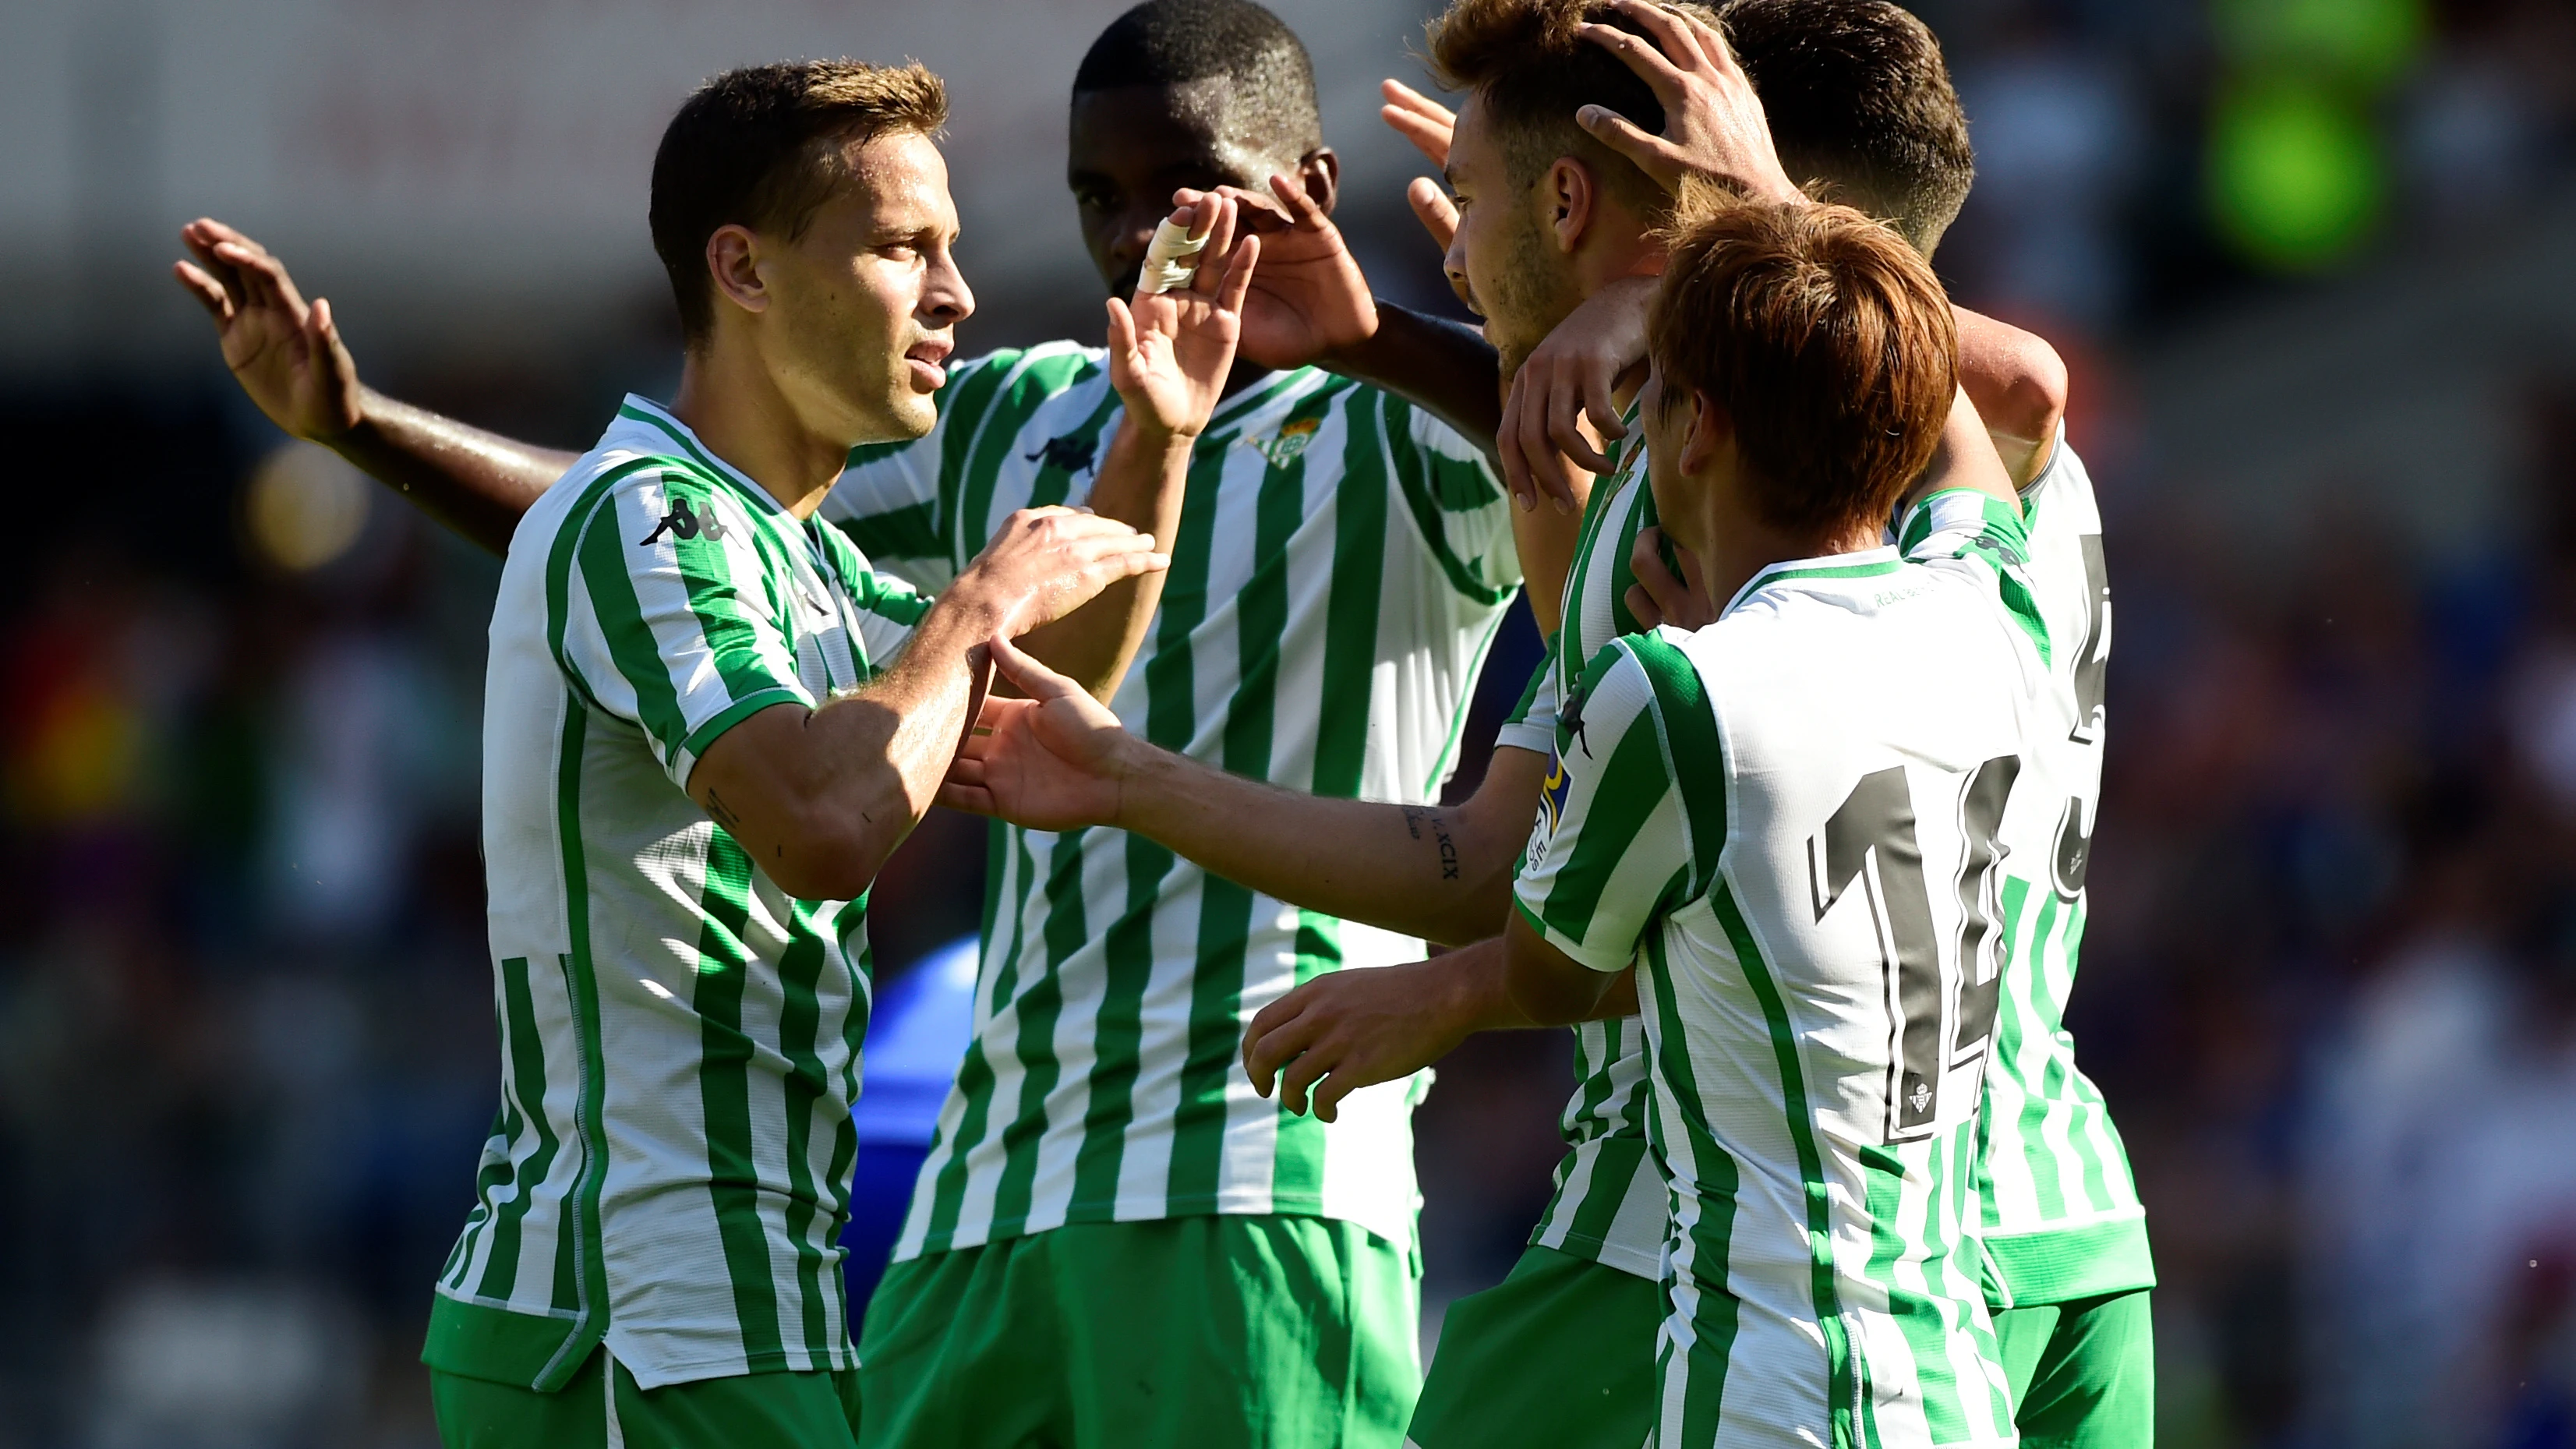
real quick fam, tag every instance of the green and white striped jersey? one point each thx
(1341, 566)
(1609, 1199)
(670, 1166)
(1787, 820)
(2062, 1216)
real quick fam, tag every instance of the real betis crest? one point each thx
(1282, 447)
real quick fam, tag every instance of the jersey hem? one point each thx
(2058, 1265)
(1202, 1205)
(1592, 1249)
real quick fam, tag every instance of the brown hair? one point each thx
(1533, 69)
(761, 147)
(1859, 98)
(1824, 337)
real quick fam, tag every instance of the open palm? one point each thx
(287, 354)
(1309, 299)
(1051, 761)
(1169, 352)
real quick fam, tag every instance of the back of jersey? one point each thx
(2062, 1219)
(1807, 884)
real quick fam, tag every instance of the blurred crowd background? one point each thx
(2311, 261)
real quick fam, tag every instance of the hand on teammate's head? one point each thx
(1713, 122)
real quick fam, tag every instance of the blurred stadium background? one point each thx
(2311, 260)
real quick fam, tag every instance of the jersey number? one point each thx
(2092, 665)
(1875, 826)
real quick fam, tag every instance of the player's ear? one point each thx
(1708, 430)
(733, 262)
(1568, 193)
(1320, 172)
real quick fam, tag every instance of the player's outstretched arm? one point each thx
(1352, 1029)
(820, 797)
(288, 356)
(1058, 760)
(1169, 354)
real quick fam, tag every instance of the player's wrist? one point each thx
(1366, 338)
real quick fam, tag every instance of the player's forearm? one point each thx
(1547, 987)
(1441, 367)
(1143, 479)
(475, 482)
(1966, 458)
(1427, 871)
(834, 796)
(2018, 383)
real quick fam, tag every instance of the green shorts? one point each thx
(2083, 1372)
(748, 1411)
(1270, 1332)
(1560, 1353)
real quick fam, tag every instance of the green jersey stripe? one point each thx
(527, 1085)
(581, 1267)
(1309, 634)
(1701, 1337)
(1811, 1171)
(657, 597)
(724, 1084)
(1036, 380)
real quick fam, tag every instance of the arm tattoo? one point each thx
(1415, 817)
(721, 813)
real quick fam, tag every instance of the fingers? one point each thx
(1516, 469)
(210, 294)
(1219, 237)
(1279, 1035)
(1653, 155)
(1256, 212)
(1597, 383)
(1667, 597)
(1640, 55)
(263, 278)
(1567, 400)
(1418, 119)
(1122, 331)
(1297, 1080)
(973, 800)
(1032, 678)
(1238, 275)
(1675, 42)
(1303, 210)
(1530, 436)
(1433, 208)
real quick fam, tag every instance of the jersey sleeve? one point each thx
(1456, 498)
(1610, 850)
(895, 500)
(675, 629)
(1965, 530)
(888, 609)
(1531, 725)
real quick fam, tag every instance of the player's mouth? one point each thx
(927, 361)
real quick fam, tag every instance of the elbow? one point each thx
(2030, 398)
(828, 860)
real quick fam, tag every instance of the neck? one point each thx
(1734, 543)
(738, 410)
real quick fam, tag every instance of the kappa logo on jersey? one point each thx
(1569, 719)
(1072, 453)
(1290, 441)
(680, 522)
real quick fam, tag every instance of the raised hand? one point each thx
(1428, 125)
(1309, 299)
(1046, 562)
(1169, 352)
(1564, 386)
(1419, 119)
(1050, 761)
(1713, 122)
(287, 355)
